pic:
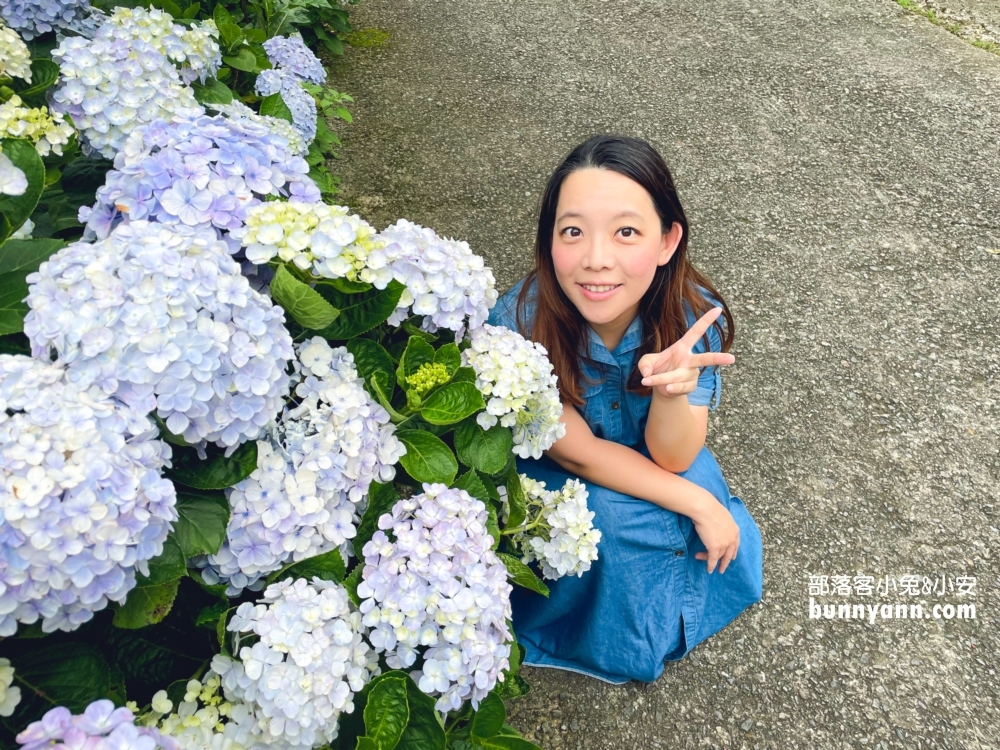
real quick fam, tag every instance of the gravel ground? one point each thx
(838, 162)
(972, 19)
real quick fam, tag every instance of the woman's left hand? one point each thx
(674, 371)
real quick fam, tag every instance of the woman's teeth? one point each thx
(602, 288)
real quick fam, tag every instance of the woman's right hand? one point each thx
(718, 532)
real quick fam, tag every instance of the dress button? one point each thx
(679, 553)
(614, 405)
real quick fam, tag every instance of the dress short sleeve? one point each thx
(709, 388)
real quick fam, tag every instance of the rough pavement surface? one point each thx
(838, 161)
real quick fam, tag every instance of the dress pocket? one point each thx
(593, 408)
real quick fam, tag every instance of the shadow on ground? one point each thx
(838, 162)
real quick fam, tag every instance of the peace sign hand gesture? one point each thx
(674, 371)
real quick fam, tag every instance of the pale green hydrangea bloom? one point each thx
(49, 132)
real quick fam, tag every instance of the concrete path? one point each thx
(839, 163)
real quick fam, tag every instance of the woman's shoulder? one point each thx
(714, 339)
(504, 312)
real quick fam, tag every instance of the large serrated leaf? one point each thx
(387, 713)
(418, 352)
(13, 291)
(301, 301)
(146, 605)
(427, 458)
(522, 575)
(452, 403)
(328, 566)
(488, 720)
(359, 312)
(215, 473)
(61, 674)
(17, 208)
(381, 498)
(27, 255)
(274, 106)
(487, 451)
(201, 528)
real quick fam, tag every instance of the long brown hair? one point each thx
(558, 325)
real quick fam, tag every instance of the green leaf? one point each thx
(201, 528)
(414, 330)
(61, 674)
(464, 375)
(329, 566)
(492, 526)
(370, 357)
(424, 731)
(489, 719)
(522, 575)
(366, 743)
(487, 451)
(44, 73)
(418, 352)
(427, 458)
(351, 584)
(191, 11)
(471, 483)
(449, 356)
(274, 106)
(147, 605)
(346, 285)
(13, 290)
(209, 616)
(387, 713)
(516, 500)
(360, 312)
(257, 36)
(17, 208)
(452, 403)
(167, 566)
(491, 488)
(505, 742)
(301, 301)
(15, 343)
(221, 15)
(379, 386)
(244, 60)
(27, 255)
(381, 498)
(213, 91)
(215, 473)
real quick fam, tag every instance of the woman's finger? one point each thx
(710, 359)
(672, 377)
(701, 325)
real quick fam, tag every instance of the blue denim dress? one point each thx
(646, 599)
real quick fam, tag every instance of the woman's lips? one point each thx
(598, 296)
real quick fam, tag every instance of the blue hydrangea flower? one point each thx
(32, 18)
(100, 727)
(162, 318)
(197, 171)
(290, 54)
(82, 502)
(299, 101)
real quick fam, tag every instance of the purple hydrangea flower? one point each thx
(291, 54)
(32, 18)
(100, 727)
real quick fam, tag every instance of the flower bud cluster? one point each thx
(162, 318)
(237, 110)
(100, 727)
(427, 376)
(31, 18)
(329, 241)
(48, 132)
(82, 502)
(516, 378)
(10, 694)
(558, 531)
(445, 281)
(128, 75)
(204, 720)
(198, 171)
(305, 668)
(311, 482)
(15, 60)
(439, 588)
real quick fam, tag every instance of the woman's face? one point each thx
(606, 246)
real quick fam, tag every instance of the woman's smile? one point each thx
(598, 292)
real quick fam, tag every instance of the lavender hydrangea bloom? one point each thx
(82, 502)
(100, 727)
(305, 668)
(299, 101)
(126, 75)
(162, 318)
(32, 18)
(291, 54)
(445, 281)
(197, 171)
(438, 587)
(311, 482)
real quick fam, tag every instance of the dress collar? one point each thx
(630, 342)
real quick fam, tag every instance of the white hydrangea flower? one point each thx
(327, 240)
(161, 317)
(10, 694)
(516, 378)
(311, 484)
(439, 588)
(204, 720)
(445, 281)
(237, 110)
(82, 503)
(305, 668)
(15, 59)
(13, 181)
(48, 132)
(558, 530)
(134, 71)
(24, 233)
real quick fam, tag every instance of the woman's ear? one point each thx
(670, 242)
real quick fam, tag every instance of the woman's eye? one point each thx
(568, 228)
(631, 229)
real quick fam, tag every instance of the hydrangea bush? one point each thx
(259, 458)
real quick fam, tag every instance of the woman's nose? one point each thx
(598, 255)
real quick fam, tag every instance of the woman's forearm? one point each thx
(625, 470)
(673, 436)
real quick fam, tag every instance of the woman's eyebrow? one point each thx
(620, 214)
